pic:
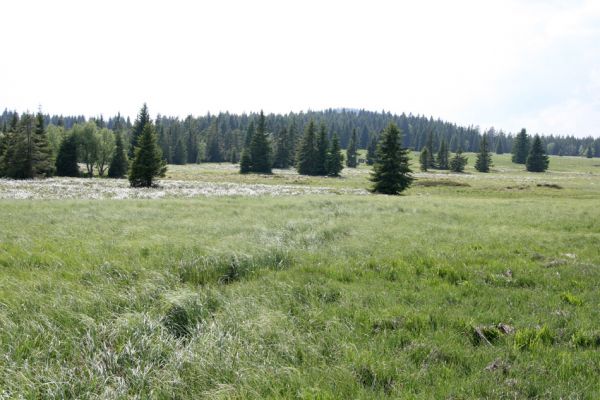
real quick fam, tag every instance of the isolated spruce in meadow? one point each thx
(351, 151)
(66, 160)
(520, 149)
(537, 161)
(391, 172)
(335, 159)
(458, 162)
(245, 162)
(484, 159)
(148, 163)
(119, 164)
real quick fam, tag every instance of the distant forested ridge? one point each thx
(219, 138)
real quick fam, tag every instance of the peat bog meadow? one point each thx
(223, 285)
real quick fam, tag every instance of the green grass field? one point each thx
(468, 286)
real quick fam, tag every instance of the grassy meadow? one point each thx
(467, 286)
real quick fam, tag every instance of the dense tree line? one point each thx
(223, 137)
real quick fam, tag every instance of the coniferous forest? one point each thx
(223, 137)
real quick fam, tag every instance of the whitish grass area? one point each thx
(469, 286)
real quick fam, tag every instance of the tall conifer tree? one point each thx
(307, 151)
(148, 163)
(351, 151)
(119, 164)
(260, 148)
(391, 172)
(537, 160)
(335, 159)
(484, 159)
(520, 149)
(66, 160)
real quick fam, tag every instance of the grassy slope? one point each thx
(310, 296)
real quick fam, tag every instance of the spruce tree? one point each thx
(307, 151)
(66, 160)
(391, 172)
(589, 153)
(537, 160)
(19, 154)
(141, 121)
(119, 164)
(372, 150)
(424, 159)
(335, 159)
(148, 162)
(520, 149)
(260, 148)
(484, 159)
(42, 163)
(499, 146)
(322, 149)
(245, 162)
(458, 162)
(442, 156)
(430, 154)
(351, 151)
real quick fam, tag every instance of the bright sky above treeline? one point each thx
(507, 64)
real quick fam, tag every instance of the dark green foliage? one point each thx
(249, 134)
(282, 157)
(180, 153)
(66, 160)
(307, 151)
(27, 153)
(322, 149)
(260, 148)
(119, 164)
(537, 160)
(142, 120)
(43, 164)
(499, 147)
(335, 159)
(391, 172)
(458, 162)
(424, 159)
(589, 153)
(430, 154)
(351, 152)
(520, 149)
(484, 159)
(372, 150)
(442, 156)
(148, 162)
(245, 162)
(213, 145)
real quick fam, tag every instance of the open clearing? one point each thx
(469, 286)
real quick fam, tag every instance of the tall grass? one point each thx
(313, 296)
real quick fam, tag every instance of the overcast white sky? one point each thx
(508, 64)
